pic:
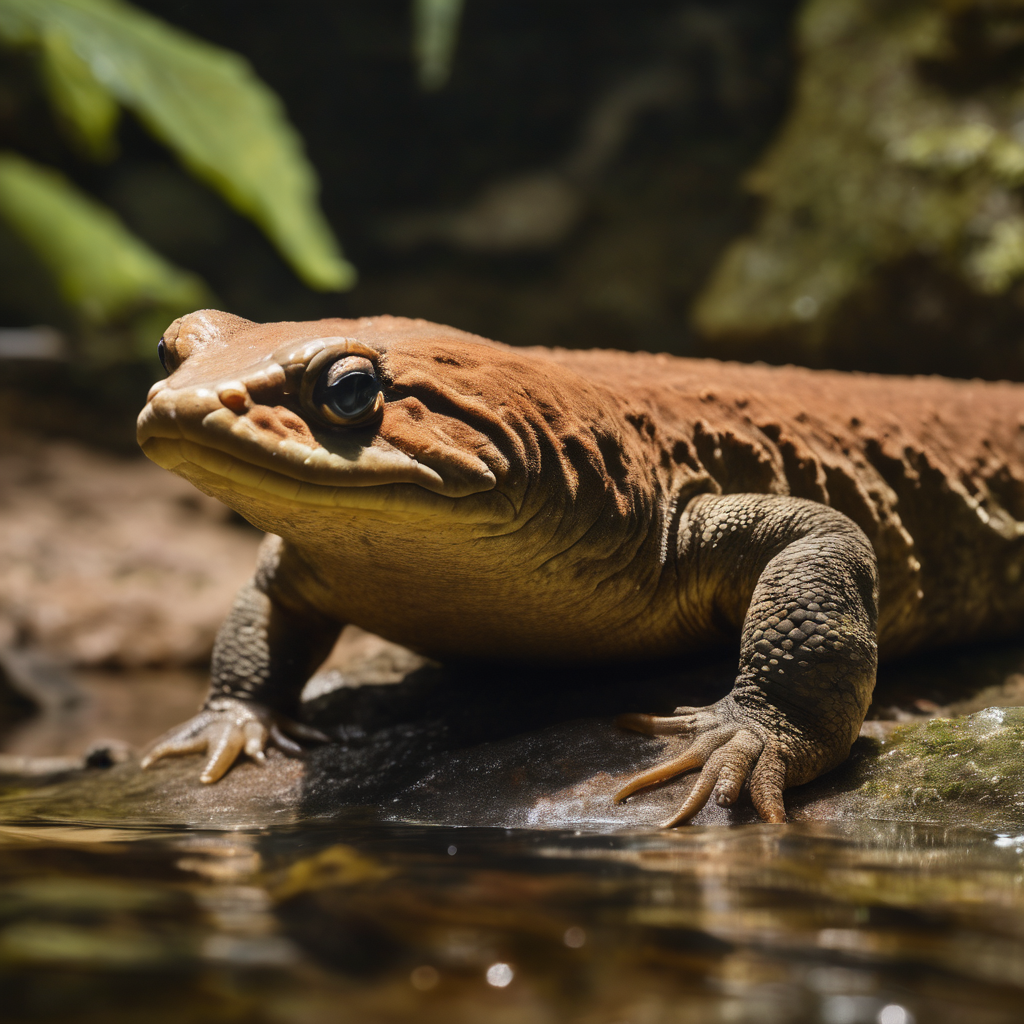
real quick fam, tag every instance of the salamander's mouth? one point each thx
(231, 456)
(237, 482)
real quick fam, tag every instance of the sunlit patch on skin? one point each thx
(283, 424)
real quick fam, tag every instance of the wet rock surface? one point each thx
(507, 746)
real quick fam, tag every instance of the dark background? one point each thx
(526, 77)
(531, 82)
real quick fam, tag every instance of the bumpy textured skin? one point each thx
(550, 505)
(270, 639)
(801, 578)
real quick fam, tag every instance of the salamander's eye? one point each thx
(351, 396)
(348, 392)
(161, 351)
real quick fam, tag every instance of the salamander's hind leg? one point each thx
(728, 753)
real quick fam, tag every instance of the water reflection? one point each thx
(887, 923)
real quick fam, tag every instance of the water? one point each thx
(118, 902)
(365, 921)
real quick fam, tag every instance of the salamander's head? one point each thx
(391, 416)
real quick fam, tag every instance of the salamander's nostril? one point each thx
(234, 395)
(156, 389)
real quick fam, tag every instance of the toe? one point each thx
(282, 742)
(184, 739)
(174, 747)
(727, 788)
(255, 740)
(693, 757)
(659, 725)
(225, 746)
(723, 774)
(303, 732)
(738, 758)
(767, 782)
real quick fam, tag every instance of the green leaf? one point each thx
(205, 103)
(105, 273)
(87, 107)
(435, 33)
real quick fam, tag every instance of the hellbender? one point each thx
(473, 500)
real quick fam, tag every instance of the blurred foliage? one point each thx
(435, 33)
(103, 270)
(87, 110)
(205, 103)
(905, 140)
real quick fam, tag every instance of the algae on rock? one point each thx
(962, 771)
(905, 141)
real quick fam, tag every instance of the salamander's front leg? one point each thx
(267, 648)
(802, 579)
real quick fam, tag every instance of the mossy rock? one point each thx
(891, 199)
(962, 771)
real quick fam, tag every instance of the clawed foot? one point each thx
(728, 747)
(228, 727)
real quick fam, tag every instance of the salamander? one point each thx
(469, 499)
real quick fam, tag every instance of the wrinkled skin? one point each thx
(467, 499)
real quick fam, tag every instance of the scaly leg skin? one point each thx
(269, 645)
(802, 579)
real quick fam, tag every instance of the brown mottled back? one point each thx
(931, 469)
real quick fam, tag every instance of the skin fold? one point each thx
(468, 499)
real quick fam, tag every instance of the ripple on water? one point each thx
(870, 922)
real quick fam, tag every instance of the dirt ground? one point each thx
(112, 562)
(114, 576)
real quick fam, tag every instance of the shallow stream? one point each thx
(369, 922)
